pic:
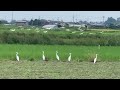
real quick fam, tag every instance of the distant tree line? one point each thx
(41, 22)
(112, 23)
(37, 22)
(109, 23)
(3, 22)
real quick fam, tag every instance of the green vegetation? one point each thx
(36, 35)
(59, 70)
(29, 42)
(79, 53)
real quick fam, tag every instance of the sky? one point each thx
(60, 15)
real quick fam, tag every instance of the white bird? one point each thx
(43, 56)
(67, 29)
(57, 55)
(45, 31)
(91, 33)
(74, 32)
(17, 57)
(12, 29)
(98, 46)
(37, 31)
(95, 59)
(69, 58)
(28, 29)
(81, 33)
(101, 32)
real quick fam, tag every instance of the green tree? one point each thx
(31, 22)
(35, 22)
(110, 22)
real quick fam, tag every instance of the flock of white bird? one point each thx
(44, 58)
(57, 57)
(37, 30)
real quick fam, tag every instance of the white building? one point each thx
(50, 27)
(76, 25)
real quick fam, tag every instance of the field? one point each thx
(31, 65)
(79, 53)
(59, 70)
(29, 42)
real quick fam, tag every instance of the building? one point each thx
(50, 27)
(97, 25)
(22, 23)
(76, 25)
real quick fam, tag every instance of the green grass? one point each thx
(80, 67)
(58, 31)
(59, 70)
(79, 53)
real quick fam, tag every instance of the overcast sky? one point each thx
(61, 15)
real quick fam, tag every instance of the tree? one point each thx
(38, 22)
(66, 25)
(4, 22)
(35, 22)
(118, 19)
(31, 22)
(110, 22)
(13, 21)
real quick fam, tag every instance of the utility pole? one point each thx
(39, 21)
(32, 21)
(58, 19)
(103, 18)
(76, 20)
(53, 21)
(12, 15)
(5, 17)
(73, 20)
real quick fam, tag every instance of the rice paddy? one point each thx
(79, 53)
(31, 65)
